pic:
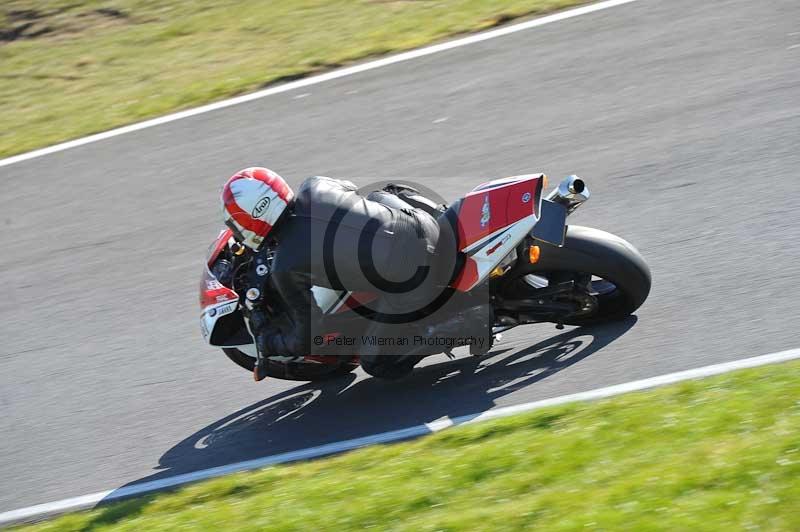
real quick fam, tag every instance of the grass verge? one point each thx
(716, 454)
(69, 68)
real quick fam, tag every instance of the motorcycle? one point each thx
(510, 238)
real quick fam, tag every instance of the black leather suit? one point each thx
(333, 237)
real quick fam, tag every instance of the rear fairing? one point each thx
(492, 220)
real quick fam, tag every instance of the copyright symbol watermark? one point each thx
(396, 253)
(318, 340)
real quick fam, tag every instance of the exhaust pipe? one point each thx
(570, 193)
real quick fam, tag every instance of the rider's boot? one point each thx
(260, 369)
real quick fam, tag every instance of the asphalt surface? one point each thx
(683, 116)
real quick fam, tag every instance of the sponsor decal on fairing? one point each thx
(486, 213)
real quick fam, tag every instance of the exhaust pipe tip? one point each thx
(571, 193)
(577, 186)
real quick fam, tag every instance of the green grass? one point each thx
(717, 454)
(69, 68)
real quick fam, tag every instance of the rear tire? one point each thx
(601, 254)
(294, 371)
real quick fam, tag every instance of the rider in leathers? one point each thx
(328, 235)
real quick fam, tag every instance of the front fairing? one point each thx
(221, 322)
(216, 302)
(223, 239)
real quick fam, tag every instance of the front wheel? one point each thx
(610, 268)
(293, 369)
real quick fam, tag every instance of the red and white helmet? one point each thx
(253, 200)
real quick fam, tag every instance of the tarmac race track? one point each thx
(683, 116)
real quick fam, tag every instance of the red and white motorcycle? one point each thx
(510, 239)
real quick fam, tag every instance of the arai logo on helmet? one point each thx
(526, 197)
(261, 207)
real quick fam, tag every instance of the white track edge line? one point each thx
(320, 78)
(88, 501)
